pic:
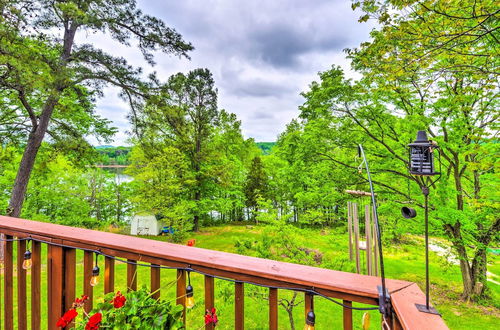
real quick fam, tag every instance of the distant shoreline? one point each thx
(108, 166)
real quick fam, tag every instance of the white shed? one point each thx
(145, 224)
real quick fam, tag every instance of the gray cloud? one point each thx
(260, 115)
(262, 53)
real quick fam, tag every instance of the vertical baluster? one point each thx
(396, 325)
(21, 287)
(109, 275)
(132, 275)
(155, 281)
(239, 306)
(8, 313)
(55, 267)
(69, 279)
(368, 236)
(209, 297)
(308, 304)
(273, 309)
(88, 264)
(36, 279)
(347, 315)
(181, 292)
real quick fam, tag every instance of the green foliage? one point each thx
(140, 311)
(50, 81)
(256, 184)
(114, 155)
(62, 193)
(193, 164)
(265, 147)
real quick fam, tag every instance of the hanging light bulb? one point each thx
(27, 263)
(366, 321)
(189, 293)
(94, 280)
(310, 320)
(189, 296)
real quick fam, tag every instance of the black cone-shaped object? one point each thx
(408, 212)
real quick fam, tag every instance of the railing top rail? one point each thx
(318, 278)
(409, 317)
(361, 288)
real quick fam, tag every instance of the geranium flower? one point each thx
(79, 302)
(67, 318)
(94, 322)
(211, 317)
(119, 300)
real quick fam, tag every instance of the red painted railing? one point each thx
(63, 242)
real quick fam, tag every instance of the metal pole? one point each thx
(385, 303)
(425, 191)
(426, 308)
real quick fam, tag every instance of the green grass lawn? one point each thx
(405, 262)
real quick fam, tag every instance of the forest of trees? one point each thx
(427, 66)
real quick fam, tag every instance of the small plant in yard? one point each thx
(135, 310)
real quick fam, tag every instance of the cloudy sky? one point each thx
(262, 54)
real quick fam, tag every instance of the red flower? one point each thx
(94, 322)
(211, 317)
(67, 318)
(119, 300)
(191, 242)
(79, 302)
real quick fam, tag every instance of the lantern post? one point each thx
(421, 164)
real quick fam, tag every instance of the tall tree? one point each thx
(184, 113)
(42, 65)
(255, 185)
(437, 63)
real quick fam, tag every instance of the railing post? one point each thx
(69, 278)
(36, 279)
(132, 275)
(109, 275)
(347, 315)
(8, 282)
(55, 267)
(155, 281)
(239, 306)
(396, 325)
(209, 297)
(308, 303)
(88, 264)
(21, 287)
(273, 308)
(181, 292)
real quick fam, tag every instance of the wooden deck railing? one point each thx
(63, 241)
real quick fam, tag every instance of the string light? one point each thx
(27, 263)
(310, 320)
(94, 280)
(189, 293)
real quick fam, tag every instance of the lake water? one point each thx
(119, 172)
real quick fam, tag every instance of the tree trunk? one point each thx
(197, 197)
(39, 129)
(28, 160)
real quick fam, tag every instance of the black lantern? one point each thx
(422, 156)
